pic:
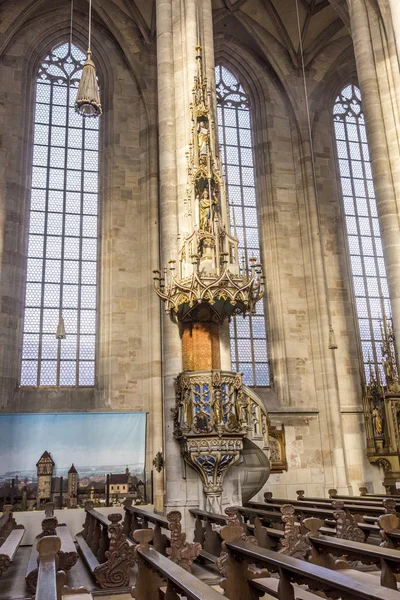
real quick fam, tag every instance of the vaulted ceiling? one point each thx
(286, 25)
(319, 21)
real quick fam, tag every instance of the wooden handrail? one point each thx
(149, 516)
(99, 516)
(202, 514)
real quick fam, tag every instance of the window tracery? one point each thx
(364, 238)
(248, 336)
(62, 248)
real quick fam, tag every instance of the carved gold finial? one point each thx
(207, 268)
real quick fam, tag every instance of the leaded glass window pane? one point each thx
(248, 338)
(62, 246)
(368, 269)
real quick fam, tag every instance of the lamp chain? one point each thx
(90, 23)
(70, 31)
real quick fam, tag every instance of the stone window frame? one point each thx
(46, 399)
(340, 86)
(222, 60)
(60, 382)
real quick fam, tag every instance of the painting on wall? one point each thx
(71, 458)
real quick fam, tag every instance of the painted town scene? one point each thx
(76, 465)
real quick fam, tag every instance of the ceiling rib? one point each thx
(285, 38)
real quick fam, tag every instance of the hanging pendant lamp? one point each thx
(332, 339)
(61, 335)
(87, 101)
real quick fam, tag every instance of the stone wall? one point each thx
(128, 354)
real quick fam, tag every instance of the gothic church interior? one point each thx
(199, 272)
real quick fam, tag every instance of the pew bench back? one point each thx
(322, 579)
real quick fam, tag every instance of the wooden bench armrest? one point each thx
(47, 548)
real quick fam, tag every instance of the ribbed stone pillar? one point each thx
(178, 33)
(171, 346)
(378, 82)
(335, 468)
(207, 40)
(395, 14)
(156, 425)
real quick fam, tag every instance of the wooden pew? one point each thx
(172, 543)
(67, 555)
(364, 494)
(371, 531)
(323, 548)
(390, 531)
(137, 518)
(51, 583)
(101, 535)
(205, 534)
(316, 503)
(366, 510)
(155, 572)
(11, 536)
(353, 503)
(242, 582)
(326, 513)
(348, 543)
(384, 506)
(388, 500)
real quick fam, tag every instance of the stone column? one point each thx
(207, 41)
(395, 15)
(171, 345)
(379, 84)
(156, 419)
(334, 459)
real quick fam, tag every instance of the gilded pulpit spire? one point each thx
(207, 268)
(202, 287)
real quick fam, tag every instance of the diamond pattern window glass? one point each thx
(62, 246)
(248, 339)
(368, 270)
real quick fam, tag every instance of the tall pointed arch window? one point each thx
(62, 249)
(364, 238)
(248, 337)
